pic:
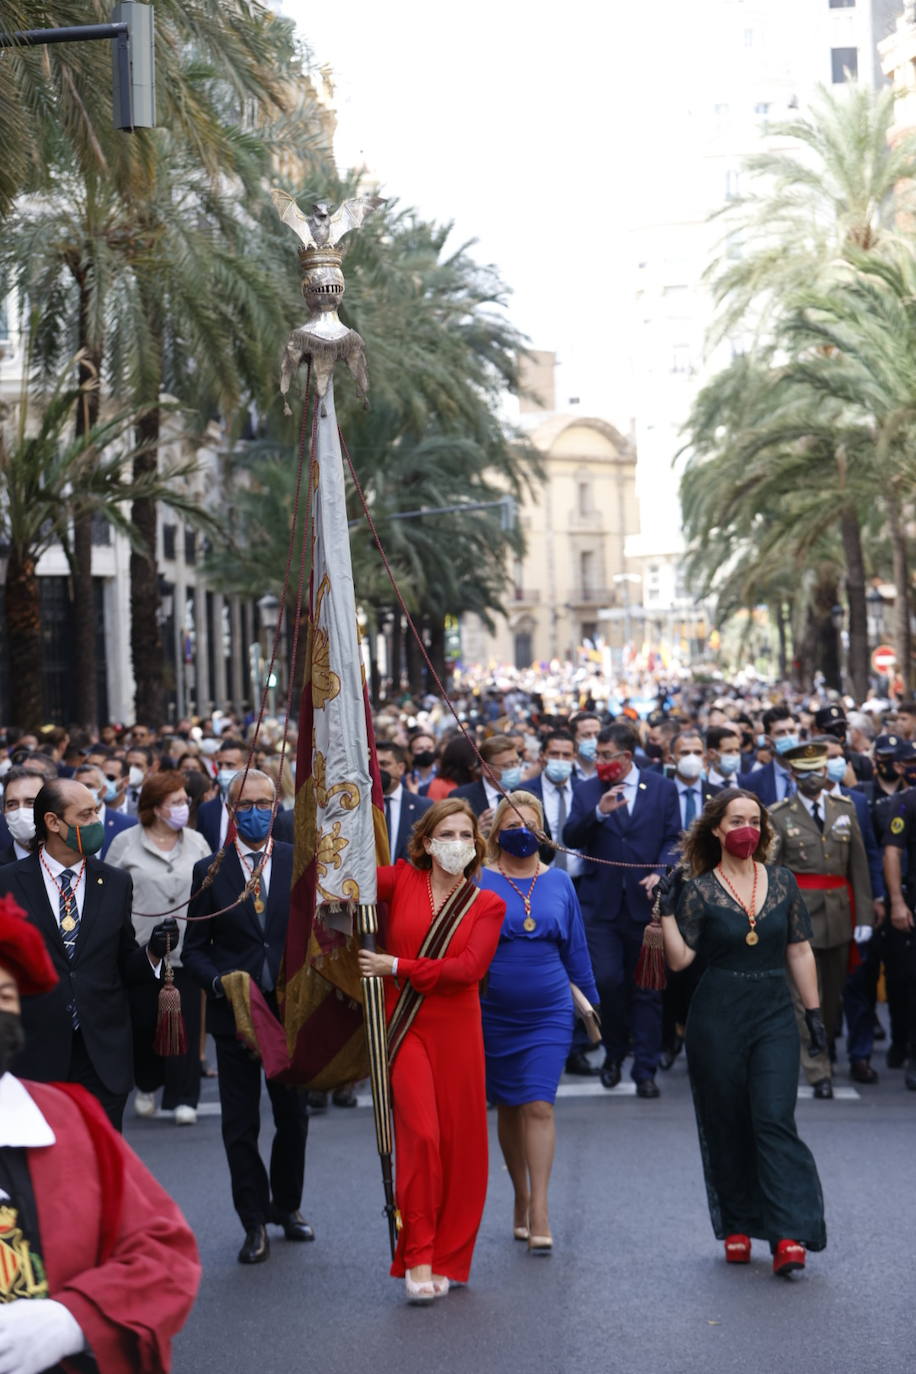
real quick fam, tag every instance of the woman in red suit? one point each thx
(442, 934)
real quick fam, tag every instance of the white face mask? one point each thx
(452, 855)
(690, 766)
(135, 776)
(21, 824)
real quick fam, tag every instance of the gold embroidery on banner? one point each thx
(325, 682)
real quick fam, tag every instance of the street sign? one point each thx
(883, 660)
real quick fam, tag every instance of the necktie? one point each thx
(690, 808)
(817, 817)
(69, 928)
(260, 900)
(561, 860)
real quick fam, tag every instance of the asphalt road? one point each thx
(636, 1281)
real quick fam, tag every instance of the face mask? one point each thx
(909, 777)
(836, 769)
(12, 1038)
(558, 770)
(887, 771)
(510, 778)
(21, 824)
(690, 767)
(811, 784)
(742, 841)
(610, 770)
(588, 748)
(135, 776)
(253, 825)
(5, 766)
(384, 779)
(109, 791)
(424, 758)
(520, 842)
(785, 743)
(729, 764)
(761, 741)
(453, 855)
(209, 746)
(176, 817)
(85, 839)
(224, 777)
(654, 751)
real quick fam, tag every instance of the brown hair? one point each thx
(154, 791)
(511, 802)
(496, 744)
(424, 827)
(701, 848)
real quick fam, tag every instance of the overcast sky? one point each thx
(538, 129)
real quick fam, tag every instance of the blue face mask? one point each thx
(520, 842)
(510, 778)
(588, 749)
(836, 769)
(729, 764)
(761, 741)
(785, 743)
(253, 825)
(110, 791)
(558, 770)
(224, 777)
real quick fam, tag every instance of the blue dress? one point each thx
(527, 1007)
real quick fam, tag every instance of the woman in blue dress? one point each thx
(528, 1006)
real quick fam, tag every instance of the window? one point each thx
(842, 4)
(168, 540)
(732, 185)
(680, 359)
(762, 108)
(585, 498)
(190, 546)
(587, 573)
(844, 65)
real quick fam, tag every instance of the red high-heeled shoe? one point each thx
(789, 1256)
(738, 1249)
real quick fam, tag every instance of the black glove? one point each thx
(668, 891)
(817, 1031)
(164, 938)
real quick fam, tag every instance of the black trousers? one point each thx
(178, 1075)
(82, 1072)
(253, 1189)
(900, 975)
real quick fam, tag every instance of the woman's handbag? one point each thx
(587, 1014)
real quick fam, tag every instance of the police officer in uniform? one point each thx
(831, 720)
(900, 939)
(819, 839)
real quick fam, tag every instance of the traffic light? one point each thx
(134, 67)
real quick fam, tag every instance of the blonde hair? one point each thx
(512, 802)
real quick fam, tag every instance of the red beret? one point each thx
(23, 952)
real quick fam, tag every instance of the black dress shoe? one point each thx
(666, 1059)
(318, 1102)
(256, 1247)
(860, 1071)
(579, 1064)
(647, 1087)
(295, 1226)
(823, 1088)
(909, 1077)
(895, 1057)
(344, 1097)
(610, 1075)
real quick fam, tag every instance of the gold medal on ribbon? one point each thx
(259, 906)
(751, 937)
(68, 924)
(529, 924)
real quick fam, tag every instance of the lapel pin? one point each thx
(99, 881)
(642, 787)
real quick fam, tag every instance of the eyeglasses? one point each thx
(245, 808)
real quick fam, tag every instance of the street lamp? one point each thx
(875, 603)
(269, 613)
(837, 619)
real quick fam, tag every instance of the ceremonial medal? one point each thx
(751, 937)
(68, 924)
(259, 906)
(529, 923)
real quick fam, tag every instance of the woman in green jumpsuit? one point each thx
(748, 924)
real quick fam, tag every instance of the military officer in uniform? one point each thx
(817, 836)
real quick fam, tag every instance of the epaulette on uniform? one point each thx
(777, 806)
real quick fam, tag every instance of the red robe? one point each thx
(438, 1080)
(131, 1301)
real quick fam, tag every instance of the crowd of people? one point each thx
(762, 833)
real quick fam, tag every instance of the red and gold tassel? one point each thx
(170, 1039)
(650, 967)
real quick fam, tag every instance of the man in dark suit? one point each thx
(20, 789)
(503, 765)
(250, 939)
(113, 821)
(81, 1031)
(213, 816)
(774, 782)
(402, 808)
(627, 817)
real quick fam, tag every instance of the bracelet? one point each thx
(394, 968)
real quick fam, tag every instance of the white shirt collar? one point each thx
(631, 779)
(56, 867)
(21, 1122)
(695, 786)
(397, 794)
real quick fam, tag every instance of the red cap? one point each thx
(23, 952)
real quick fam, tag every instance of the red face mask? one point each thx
(610, 770)
(742, 841)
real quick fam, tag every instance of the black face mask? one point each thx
(909, 777)
(887, 771)
(386, 780)
(12, 1038)
(811, 784)
(424, 758)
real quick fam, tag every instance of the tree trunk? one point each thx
(23, 632)
(437, 646)
(413, 661)
(827, 639)
(783, 638)
(145, 635)
(397, 644)
(858, 606)
(85, 681)
(902, 637)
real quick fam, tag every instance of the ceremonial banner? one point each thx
(340, 827)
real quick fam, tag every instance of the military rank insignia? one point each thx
(897, 825)
(22, 1274)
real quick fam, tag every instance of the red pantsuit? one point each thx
(437, 1081)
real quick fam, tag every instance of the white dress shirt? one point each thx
(493, 797)
(52, 887)
(250, 858)
(22, 1126)
(20, 850)
(550, 793)
(682, 789)
(393, 802)
(223, 823)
